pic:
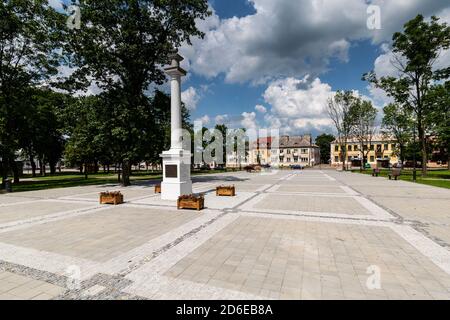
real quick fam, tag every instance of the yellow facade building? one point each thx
(382, 152)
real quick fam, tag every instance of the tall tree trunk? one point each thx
(44, 170)
(423, 143)
(15, 170)
(402, 153)
(363, 164)
(86, 171)
(52, 167)
(5, 170)
(126, 172)
(448, 156)
(33, 166)
(343, 154)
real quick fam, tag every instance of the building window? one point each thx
(336, 148)
(386, 147)
(365, 147)
(288, 151)
(295, 159)
(349, 148)
(336, 159)
(372, 159)
(350, 159)
(372, 147)
(355, 148)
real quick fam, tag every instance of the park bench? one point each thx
(395, 173)
(375, 172)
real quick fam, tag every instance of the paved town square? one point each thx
(311, 234)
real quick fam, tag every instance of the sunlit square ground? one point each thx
(286, 235)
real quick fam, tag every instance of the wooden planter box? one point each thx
(191, 202)
(158, 189)
(226, 191)
(114, 198)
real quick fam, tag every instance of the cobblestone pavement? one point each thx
(286, 235)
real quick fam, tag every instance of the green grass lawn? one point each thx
(436, 178)
(66, 180)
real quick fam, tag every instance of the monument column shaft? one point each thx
(176, 119)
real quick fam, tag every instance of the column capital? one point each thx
(174, 69)
(175, 72)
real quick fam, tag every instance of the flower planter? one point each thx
(158, 189)
(114, 198)
(226, 191)
(191, 202)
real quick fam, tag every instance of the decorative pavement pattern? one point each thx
(286, 235)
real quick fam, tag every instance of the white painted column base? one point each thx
(177, 174)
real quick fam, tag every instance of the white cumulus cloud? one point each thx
(191, 98)
(261, 108)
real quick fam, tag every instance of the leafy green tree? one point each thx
(398, 123)
(363, 116)
(324, 142)
(416, 51)
(121, 45)
(30, 33)
(88, 133)
(41, 134)
(340, 111)
(439, 100)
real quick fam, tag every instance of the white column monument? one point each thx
(176, 161)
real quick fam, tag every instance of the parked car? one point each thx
(296, 167)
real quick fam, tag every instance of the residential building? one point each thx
(285, 151)
(382, 152)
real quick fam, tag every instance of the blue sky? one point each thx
(290, 56)
(274, 63)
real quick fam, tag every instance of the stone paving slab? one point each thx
(309, 189)
(100, 236)
(427, 211)
(311, 182)
(288, 234)
(404, 192)
(128, 194)
(295, 260)
(9, 199)
(37, 209)
(17, 287)
(66, 192)
(304, 203)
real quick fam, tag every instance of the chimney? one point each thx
(308, 137)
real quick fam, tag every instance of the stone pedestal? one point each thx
(176, 162)
(177, 174)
